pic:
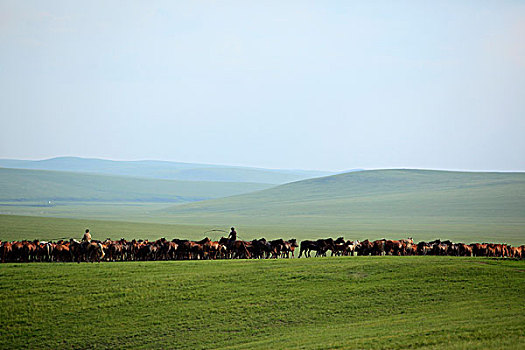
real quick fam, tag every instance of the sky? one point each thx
(327, 85)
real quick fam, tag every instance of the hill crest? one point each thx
(165, 170)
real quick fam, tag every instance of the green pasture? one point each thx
(34, 187)
(15, 227)
(460, 206)
(317, 303)
(43, 228)
(423, 204)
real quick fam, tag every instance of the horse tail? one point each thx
(102, 254)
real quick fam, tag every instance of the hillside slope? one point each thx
(164, 170)
(377, 302)
(20, 185)
(378, 201)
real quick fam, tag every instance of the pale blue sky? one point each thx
(326, 85)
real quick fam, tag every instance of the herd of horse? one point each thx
(144, 250)
(408, 247)
(177, 249)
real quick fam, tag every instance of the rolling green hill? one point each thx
(425, 302)
(462, 206)
(164, 170)
(20, 185)
(422, 203)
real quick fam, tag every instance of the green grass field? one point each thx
(15, 227)
(350, 302)
(460, 206)
(423, 204)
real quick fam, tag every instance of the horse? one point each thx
(236, 249)
(350, 247)
(307, 246)
(289, 247)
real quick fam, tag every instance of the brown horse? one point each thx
(364, 247)
(61, 253)
(393, 247)
(7, 248)
(237, 249)
(289, 247)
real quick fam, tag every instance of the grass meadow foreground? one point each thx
(350, 302)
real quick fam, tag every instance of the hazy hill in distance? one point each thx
(22, 185)
(423, 203)
(165, 170)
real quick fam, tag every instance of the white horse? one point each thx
(350, 246)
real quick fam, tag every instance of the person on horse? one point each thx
(87, 236)
(233, 235)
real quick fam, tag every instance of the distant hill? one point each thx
(165, 170)
(423, 204)
(22, 185)
(378, 201)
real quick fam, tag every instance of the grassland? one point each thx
(41, 186)
(351, 302)
(425, 205)
(13, 227)
(458, 205)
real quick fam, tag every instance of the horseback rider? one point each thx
(87, 236)
(232, 236)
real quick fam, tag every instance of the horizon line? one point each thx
(333, 172)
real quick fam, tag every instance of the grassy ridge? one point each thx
(425, 205)
(41, 185)
(164, 170)
(467, 206)
(423, 192)
(363, 302)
